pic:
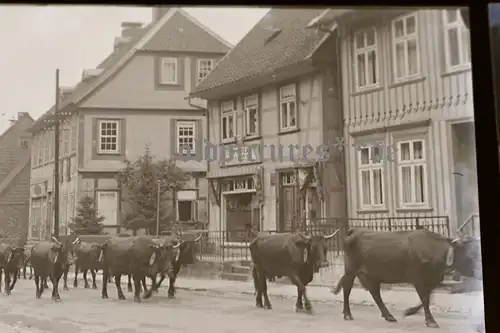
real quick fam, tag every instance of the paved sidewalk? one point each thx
(461, 304)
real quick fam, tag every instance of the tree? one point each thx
(139, 182)
(87, 221)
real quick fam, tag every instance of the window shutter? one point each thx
(68, 169)
(173, 138)
(199, 144)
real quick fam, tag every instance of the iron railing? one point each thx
(470, 227)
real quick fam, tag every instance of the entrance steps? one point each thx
(240, 270)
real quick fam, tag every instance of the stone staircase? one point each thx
(240, 270)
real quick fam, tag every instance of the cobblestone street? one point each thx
(83, 310)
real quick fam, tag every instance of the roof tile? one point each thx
(256, 55)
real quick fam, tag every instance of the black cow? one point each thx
(184, 256)
(129, 284)
(11, 258)
(48, 260)
(297, 256)
(419, 257)
(139, 256)
(86, 259)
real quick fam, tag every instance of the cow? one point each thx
(11, 258)
(418, 257)
(139, 256)
(297, 256)
(48, 259)
(86, 258)
(26, 264)
(184, 256)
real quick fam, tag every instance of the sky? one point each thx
(38, 39)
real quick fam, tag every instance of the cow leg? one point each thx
(137, 287)
(93, 272)
(374, 289)
(171, 285)
(7, 282)
(1, 271)
(129, 285)
(145, 287)
(118, 285)
(85, 281)
(106, 276)
(258, 290)
(45, 284)
(31, 273)
(425, 296)
(301, 292)
(65, 278)
(148, 292)
(24, 271)
(39, 286)
(55, 287)
(346, 283)
(14, 279)
(75, 281)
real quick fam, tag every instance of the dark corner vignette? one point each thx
(487, 157)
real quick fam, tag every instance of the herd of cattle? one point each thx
(419, 257)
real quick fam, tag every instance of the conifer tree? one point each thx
(87, 221)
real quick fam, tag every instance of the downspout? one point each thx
(207, 115)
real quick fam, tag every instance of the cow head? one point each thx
(61, 251)
(163, 257)
(467, 256)
(186, 250)
(315, 250)
(16, 257)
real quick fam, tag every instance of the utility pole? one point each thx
(56, 158)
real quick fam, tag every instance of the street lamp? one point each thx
(158, 210)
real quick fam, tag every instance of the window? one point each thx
(71, 207)
(405, 48)
(288, 178)
(238, 185)
(46, 144)
(371, 177)
(248, 154)
(228, 124)
(23, 144)
(107, 206)
(457, 40)
(108, 136)
(74, 128)
(186, 137)
(288, 108)
(40, 150)
(168, 71)
(65, 137)
(186, 205)
(366, 59)
(204, 67)
(251, 109)
(412, 173)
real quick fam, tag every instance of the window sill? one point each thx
(108, 153)
(252, 138)
(457, 70)
(409, 209)
(372, 210)
(403, 82)
(228, 141)
(289, 131)
(362, 91)
(166, 84)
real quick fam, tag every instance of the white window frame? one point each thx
(186, 124)
(212, 65)
(98, 201)
(227, 109)
(288, 100)
(246, 109)
(100, 137)
(371, 167)
(366, 50)
(163, 75)
(460, 27)
(413, 163)
(405, 39)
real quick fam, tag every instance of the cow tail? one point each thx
(339, 286)
(255, 279)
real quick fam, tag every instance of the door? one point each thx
(287, 208)
(107, 206)
(238, 215)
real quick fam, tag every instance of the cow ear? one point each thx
(302, 241)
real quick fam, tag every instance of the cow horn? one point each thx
(77, 240)
(305, 236)
(55, 240)
(453, 241)
(198, 238)
(332, 235)
(176, 245)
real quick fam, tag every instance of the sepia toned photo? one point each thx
(238, 169)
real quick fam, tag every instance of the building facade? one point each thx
(408, 116)
(271, 98)
(15, 145)
(133, 99)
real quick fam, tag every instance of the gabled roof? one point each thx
(147, 39)
(280, 39)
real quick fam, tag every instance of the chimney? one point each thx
(159, 12)
(21, 115)
(91, 73)
(120, 41)
(131, 29)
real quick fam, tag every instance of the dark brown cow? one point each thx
(48, 260)
(139, 256)
(419, 257)
(11, 259)
(296, 256)
(86, 259)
